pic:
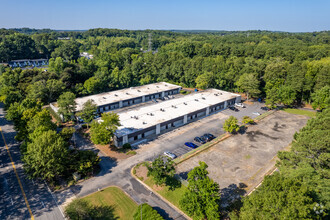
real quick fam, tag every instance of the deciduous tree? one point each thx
(66, 105)
(201, 199)
(231, 125)
(161, 169)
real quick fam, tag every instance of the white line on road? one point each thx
(55, 200)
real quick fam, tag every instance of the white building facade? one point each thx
(158, 118)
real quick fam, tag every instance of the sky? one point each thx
(273, 15)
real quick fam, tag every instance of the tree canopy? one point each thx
(67, 105)
(201, 199)
(231, 125)
(103, 131)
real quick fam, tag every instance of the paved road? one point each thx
(12, 202)
(118, 173)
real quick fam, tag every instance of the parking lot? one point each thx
(174, 140)
(246, 158)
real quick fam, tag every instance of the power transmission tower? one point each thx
(149, 42)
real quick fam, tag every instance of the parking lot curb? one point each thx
(201, 149)
(160, 196)
(226, 135)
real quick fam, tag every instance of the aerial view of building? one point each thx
(155, 119)
(126, 97)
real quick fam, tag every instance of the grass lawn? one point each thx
(300, 112)
(173, 196)
(124, 206)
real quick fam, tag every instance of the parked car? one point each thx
(199, 140)
(233, 108)
(256, 113)
(265, 108)
(240, 105)
(191, 145)
(208, 136)
(170, 154)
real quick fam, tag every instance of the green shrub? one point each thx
(131, 153)
(127, 146)
(247, 120)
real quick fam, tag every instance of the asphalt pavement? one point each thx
(20, 197)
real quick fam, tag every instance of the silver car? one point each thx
(169, 154)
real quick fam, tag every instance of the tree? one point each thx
(201, 198)
(287, 95)
(148, 213)
(321, 98)
(67, 133)
(41, 120)
(205, 80)
(247, 120)
(102, 131)
(78, 209)
(110, 121)
(231, 125)
(88, 112)
(161, 169)
(68, 51)
(66, 105)
(249, 84)
(279, 197)
(46, 156)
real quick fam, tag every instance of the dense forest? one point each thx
(284, 68)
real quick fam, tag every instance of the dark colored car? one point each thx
(233, 108)
(199, 140)
(191, 145)
(208, 136)
(265, 108)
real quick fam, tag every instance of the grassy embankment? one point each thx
(124, 206)
(300, 112)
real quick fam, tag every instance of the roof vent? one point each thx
(151, 114)
(104, 98)
(173, 106)
(127, 93)
(157, 86)
(138, 90)
(116, 95)
(165, 84)
(196, 100)
(163, 110)
(136, 117)
(144, 122)
(185, 103)
(203, 98)
(148, 88)
(216, 94)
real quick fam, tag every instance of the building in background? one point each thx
(109, 101)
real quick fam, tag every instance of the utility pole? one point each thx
(141, 211)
